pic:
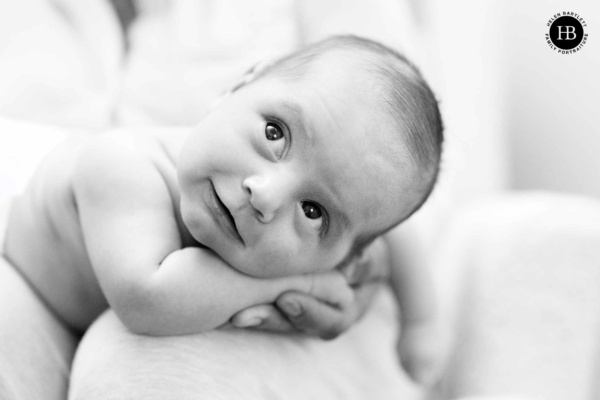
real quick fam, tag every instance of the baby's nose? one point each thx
(266, 195)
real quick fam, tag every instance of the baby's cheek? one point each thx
(275, 257)
(283, 260)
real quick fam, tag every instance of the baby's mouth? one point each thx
(226, 215)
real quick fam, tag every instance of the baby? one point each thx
(288, 180)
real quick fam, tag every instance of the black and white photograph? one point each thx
(299, 199)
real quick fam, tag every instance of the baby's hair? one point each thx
(404, 96)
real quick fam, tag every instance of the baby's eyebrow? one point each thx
(297, 116)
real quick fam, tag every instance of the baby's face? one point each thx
(282, 177)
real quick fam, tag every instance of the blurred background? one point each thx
(518, 115)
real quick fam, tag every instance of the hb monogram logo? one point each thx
(566, 34)
(569, 32)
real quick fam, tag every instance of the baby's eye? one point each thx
(314, 213)
(274, 133)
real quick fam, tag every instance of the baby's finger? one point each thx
(363, 297)
(264, 316)
(355, 271)
(276, 323)
(331, 288)
(371, 266)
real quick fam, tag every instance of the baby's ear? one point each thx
(249, 76)
(257, 71)
(252, 74)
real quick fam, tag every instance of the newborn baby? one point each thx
(280, 188)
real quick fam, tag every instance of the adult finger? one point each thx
(308, 314)
(311, 315)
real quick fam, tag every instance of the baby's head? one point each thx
(312, 158)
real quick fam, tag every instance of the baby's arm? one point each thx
(133, 241)
(197, 291)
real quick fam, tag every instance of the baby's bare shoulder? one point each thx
(118, 145)
(118, 165)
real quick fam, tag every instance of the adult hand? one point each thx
(310, 313)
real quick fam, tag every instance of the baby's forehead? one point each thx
(344, 67)
(334, 65)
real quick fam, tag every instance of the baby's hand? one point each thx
(318, 309)
(329, 308)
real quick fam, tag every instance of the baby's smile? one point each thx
(225, 219)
